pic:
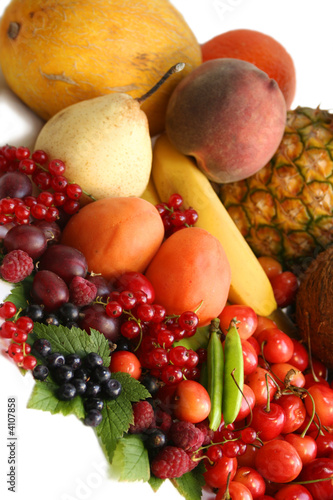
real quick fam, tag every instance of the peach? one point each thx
(190, 272)
(229, 115)
(116, 235)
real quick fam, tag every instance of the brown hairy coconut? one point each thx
(314, 307)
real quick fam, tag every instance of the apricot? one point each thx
(228, 115)
(115, 235)
(190, 272)
(54, 54)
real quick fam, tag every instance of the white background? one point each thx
(58, 458)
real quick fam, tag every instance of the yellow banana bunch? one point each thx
(173, 172)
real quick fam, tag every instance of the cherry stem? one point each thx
(174, 69)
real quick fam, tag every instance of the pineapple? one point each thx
(286, 209)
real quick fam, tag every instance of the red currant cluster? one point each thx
(156, 333)
(48, 177)
(174, 216)
(17, 330)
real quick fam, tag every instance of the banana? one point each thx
(150, 193)
(173, 172)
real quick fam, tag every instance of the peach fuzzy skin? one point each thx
(189, 269)
(116, 235)
(54, 53)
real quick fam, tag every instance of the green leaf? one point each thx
(131, 458)
(155, 483)
(190, 484)
(20, 293)
(118, 414)
(74, 340)
(43, 397)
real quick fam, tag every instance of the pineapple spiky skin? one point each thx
(285, 210)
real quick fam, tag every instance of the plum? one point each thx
(229, 115)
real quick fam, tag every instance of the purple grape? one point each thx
(15, 185)
(25, 237)
(65, 261)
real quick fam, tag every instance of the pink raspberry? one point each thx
(81, 291)
(195, 458)
(16, 266)
(186, 435)
(170, 462)
(207, 432)
(162, 421)
(143, 415)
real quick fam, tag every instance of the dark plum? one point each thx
(65, 261)
(95, 317)
(49, 289)
(102, 285)
(51, 230)
(15, 185)
(26, 237)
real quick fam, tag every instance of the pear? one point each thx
(104, 143)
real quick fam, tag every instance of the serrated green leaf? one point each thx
(155, 483)
(20, 293)
(190, 484)
(131, 459)
(74, 340)
(118, 414)
(43, 397)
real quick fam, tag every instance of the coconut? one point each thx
(314, 307)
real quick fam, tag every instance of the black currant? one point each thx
(55, 359)
(69, 312)
(80, 385)
(51, 319)
(112, 388)
(66, 391)
(101, 374)
(93, 359)
(93, 404)
(35, 312)
(151, 383)
(92, 388)
(154, 439)
(73, 360)
(42, 347)
(82, 374)
(40, 372)
(93, 418)
(62, 373)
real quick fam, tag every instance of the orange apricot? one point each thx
(259, 49)
(190, 272)
(116, 235)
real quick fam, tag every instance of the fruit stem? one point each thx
(174, 69)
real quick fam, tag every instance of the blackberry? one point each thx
(101, 374)
(66, 392)
(93, 404)
(92, 388)
(112, 388)
(55, 359)
(93, 418)
(92, 360)
(73, 360)
(40, 372)
(80, 386)
(62, 373)
(35, 312)
(42, 347)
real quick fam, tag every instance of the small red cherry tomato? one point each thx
(244, 315)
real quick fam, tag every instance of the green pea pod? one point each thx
(215, 364)
(233, 376)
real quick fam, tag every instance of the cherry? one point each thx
(216, 476)
(323, 401)
(245, 316)
(277, 346)
(127, 362)
(319, 468)
(278, 461)
(285, 287)
(252, 480)
(192, 401)
(250, 358)
(235, 490)
(268, 421)
(294, 411)
(293, 492)
(305, 446)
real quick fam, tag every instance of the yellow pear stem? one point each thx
(174, 69)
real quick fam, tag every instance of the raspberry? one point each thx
(82, 292)
(195, 458)
(16, 266)
(207, 432)
(143, 415)
(162, 421)
(186, 436)
(170, 462)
